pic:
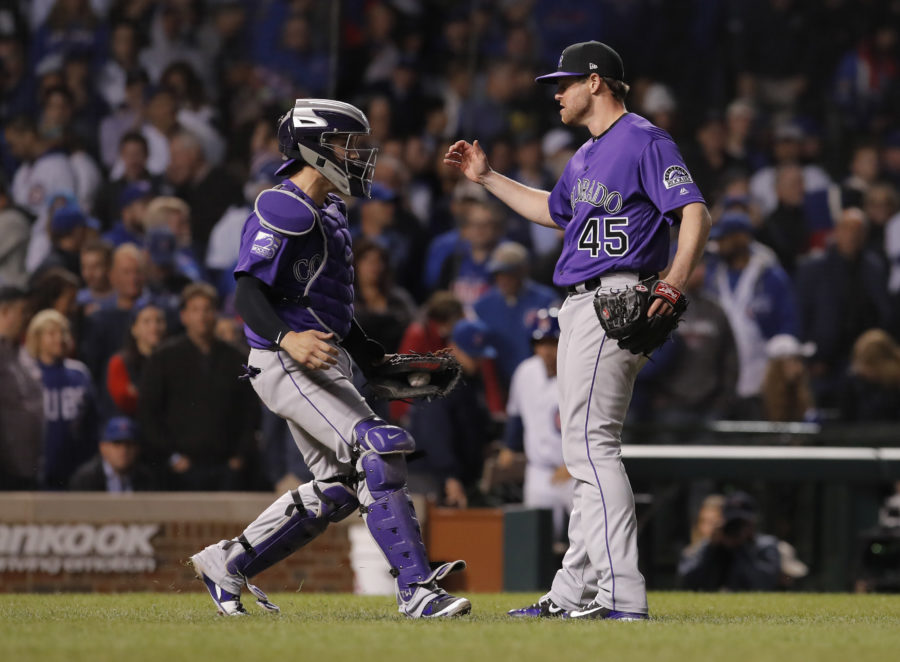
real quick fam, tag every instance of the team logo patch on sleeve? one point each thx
(676, 175)
(265, 244)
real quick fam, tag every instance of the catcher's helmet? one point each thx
(545, 324)
(308, 131)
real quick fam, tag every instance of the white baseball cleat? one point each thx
(225, 588)
(431, 601)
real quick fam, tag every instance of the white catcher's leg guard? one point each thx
(293, 520)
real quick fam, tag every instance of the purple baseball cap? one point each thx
(584, 59)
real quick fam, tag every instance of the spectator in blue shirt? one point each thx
(757, 296)
(509, 307)
(70, 407)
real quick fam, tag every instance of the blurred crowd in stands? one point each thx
(137, 135)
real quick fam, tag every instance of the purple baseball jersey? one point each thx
(303, 253)
(615, 201)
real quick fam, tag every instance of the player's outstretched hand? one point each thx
(469, 158)
(310, 348)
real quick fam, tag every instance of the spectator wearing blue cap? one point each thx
(758, 298)
(133, 154)
(133, 203)
(454, 431)
(117, 466)
(533, 424)
(167, 225)
(70, 228)
(382, 220)
(509, 307)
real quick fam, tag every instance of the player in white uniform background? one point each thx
(616, 200)
(533, 424)
(43, 173)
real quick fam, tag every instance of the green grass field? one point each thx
(326, 628)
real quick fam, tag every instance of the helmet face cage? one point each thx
(326, 134)
(357, 163)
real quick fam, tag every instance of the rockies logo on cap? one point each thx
(585, 58)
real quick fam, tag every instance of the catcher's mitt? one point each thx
(623, 315)
(405, 376)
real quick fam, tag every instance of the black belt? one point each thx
(596, 282)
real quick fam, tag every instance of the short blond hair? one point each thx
(39, 323)
(128, 249)
(160, 207)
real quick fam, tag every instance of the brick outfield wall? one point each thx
(187, 523)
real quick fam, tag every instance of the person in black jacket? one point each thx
(735, 557)
(116, 468)
(857, 278)
(193, 409)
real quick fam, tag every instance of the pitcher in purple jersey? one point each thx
(616, 200)
(295, 293)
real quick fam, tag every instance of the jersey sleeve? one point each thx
(261, 252)
(515, 388)
(665, 178)
(559, 202)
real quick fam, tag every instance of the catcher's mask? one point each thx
(328, 135)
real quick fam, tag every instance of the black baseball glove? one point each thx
(406, 376)
(623, 315)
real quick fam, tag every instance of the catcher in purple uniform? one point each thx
(616, 200)
(295, 294)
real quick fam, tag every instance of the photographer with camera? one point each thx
(734, 557)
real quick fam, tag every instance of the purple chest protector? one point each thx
(313, 259)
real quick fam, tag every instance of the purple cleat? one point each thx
(595, 611)
(543, 608)
(227, 603)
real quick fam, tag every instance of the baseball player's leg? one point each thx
(391, 519)
(575, 583)
(596, 380)
(335, 428)
(290, 522)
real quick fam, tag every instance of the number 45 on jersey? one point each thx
(604, 235)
